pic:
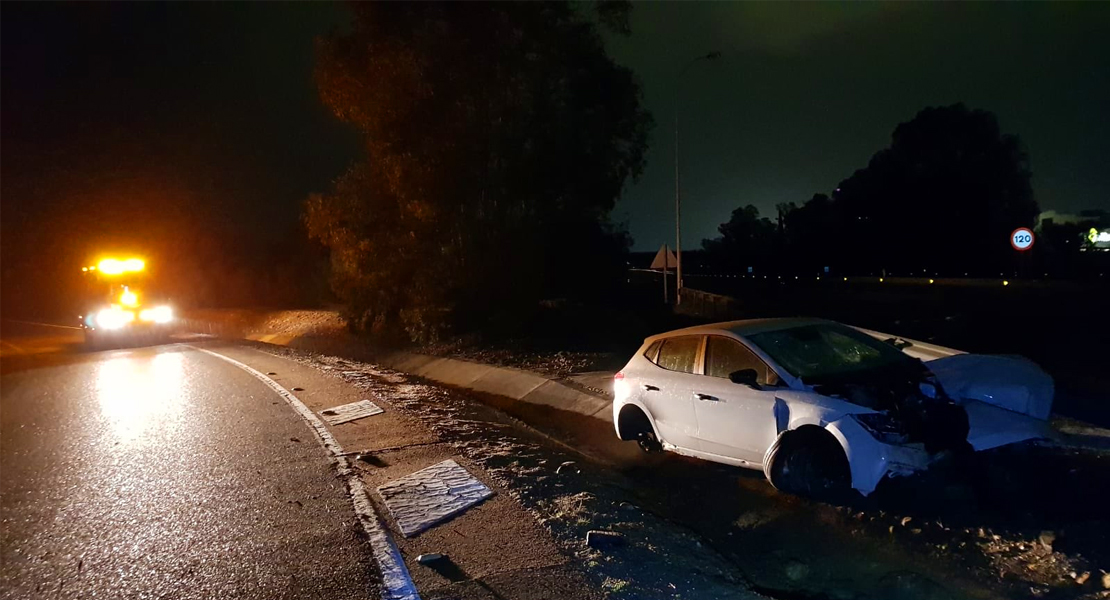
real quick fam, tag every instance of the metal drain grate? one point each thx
(431, 495)
(350, 412)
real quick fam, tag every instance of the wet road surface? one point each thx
(166, 473)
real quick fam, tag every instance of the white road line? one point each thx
(17, 349)
(397, 584)
(36, 323)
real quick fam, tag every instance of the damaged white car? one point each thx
(820, 406)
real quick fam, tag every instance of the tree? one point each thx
(498, 137)
(944, 196)
(746, 241)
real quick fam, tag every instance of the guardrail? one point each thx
(704, 304)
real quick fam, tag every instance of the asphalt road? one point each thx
(165, 473)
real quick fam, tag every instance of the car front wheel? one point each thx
(809, 463)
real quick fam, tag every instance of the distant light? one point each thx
(128, 298)
(1004, 282)
(930, 281)
(818, 278)
(85, 269)
(880, 280)
(845, 279)
(112, 266)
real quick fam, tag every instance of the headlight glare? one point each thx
(160, 314)
(114, 318)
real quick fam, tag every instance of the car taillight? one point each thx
(618, 376)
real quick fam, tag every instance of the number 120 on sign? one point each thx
(1021, 239)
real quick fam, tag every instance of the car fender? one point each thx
(619, 406)
(870, 460)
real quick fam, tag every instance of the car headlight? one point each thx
(882, 427)
(159, 314)
(114, 318)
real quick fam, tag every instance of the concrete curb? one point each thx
(522, 386)
(505, 382)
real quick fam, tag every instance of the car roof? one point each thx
(742, 327)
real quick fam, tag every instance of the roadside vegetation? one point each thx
(497, 139)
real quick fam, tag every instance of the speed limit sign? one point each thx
(1021, 239)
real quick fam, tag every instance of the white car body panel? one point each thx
(736, 425)
(734, 420)
(1013, 383)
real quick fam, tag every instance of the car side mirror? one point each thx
(748, 377)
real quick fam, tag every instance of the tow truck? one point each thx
(117, 305)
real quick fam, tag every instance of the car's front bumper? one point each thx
(871, 460)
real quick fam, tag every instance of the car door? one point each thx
(665, 390)
(734, 420)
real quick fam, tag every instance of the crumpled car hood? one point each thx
(1013, 383)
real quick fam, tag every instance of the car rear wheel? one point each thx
(648, 442)
(810, 463)
(634, 425)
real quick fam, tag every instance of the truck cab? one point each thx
(119, 305)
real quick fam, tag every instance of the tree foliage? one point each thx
(746, 240)
(498, 137)
(943, 197)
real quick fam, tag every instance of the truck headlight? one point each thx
(114, 318)
(159, 314)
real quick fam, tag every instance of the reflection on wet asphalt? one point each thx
(162, 472)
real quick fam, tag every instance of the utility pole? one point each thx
(678, 183)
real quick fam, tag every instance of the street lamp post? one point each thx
(678, 182)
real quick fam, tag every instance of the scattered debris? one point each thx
(370, 459)
(298, 389)
(1083, 578)
(431, 495)
(628, 506)
(603, 540)
(293, 439)
(1047, 538)
(796, 570)
(906, 520)
(568, 467)
(350, 412)
(271, 373)
(428, 558)
(1106, 580)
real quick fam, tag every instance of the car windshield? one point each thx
(827, 352)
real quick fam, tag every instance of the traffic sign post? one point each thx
(663, 260)
(1022, 240)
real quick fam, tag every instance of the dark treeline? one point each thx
(942, 199)
(497, 139)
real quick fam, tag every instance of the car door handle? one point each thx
(649, 388)
(706, 397)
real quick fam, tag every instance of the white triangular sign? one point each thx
(664, 254)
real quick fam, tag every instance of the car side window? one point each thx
(652, 353)
(679, 353)
(724, 356)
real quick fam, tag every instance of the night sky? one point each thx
(201, 121)
(804, 94)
